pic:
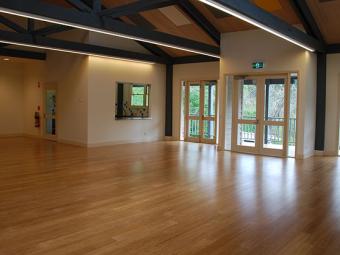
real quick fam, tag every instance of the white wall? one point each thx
(189, 72)
(33, 87)
(70, 73)
(102, 126)
(11, 98)
(332, 104)
(240, 49)
(86, 94)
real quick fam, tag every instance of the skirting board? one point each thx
(326, 153)
(169, 138)
(71, 142)
(32, 136)
(10, 135)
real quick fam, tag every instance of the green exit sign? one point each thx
(258, 65)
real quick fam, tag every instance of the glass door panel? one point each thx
(201, 111)
(209, 98)
(246, 135)
(209, 129)
(273, 123)
(274, 103)
(194, 111)
(194, 99)
(194, 128)
(50, 112)
(247, 96)
(245, 114)
(273, 137)
(260, 115)
(209, 111)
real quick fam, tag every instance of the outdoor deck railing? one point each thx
(273, 135)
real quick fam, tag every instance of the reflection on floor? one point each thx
(164, 198)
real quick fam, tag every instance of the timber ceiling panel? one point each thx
(326, 14)
(226, 23)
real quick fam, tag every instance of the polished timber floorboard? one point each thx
(164, 198)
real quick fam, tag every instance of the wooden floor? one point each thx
(164, 198)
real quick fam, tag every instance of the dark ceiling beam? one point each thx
(156, 51)
(333, 48)
(78, 4)
(149, 47)
(30, 25)
(194, 59)
(105, 24)
(152, 48)
(52, 29)
(200, 20)
(307, 19)
(12, 25)
(136, 7)
(263, 17)
(96, 5)
(80, 48)
(22, 54)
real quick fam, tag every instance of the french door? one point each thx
(200, 111)
(260, 115)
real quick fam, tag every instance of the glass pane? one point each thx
(247, 100)
(138, 89)
(246, 135)
(194, 99)
(194, 128)
(292, 115)
(209, 129)
(209, 98)
(50, 102)
(273, 137)
(50, 126)
(274, 99)
(50, 109)
(137, 100)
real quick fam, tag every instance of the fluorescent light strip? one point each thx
(253, 22)
(102, 31)
(74, 51)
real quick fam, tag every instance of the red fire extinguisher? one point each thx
(37, 119)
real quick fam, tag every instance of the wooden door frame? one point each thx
(236, 121)
(260, 122)
(201, 117)
(268, 151)
(46, 86)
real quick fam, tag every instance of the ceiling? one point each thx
(175, 21)
(327, 13)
